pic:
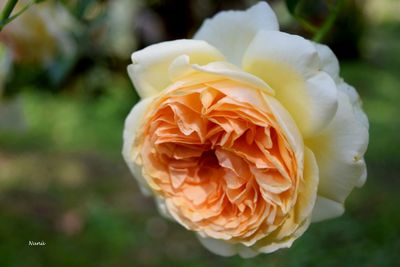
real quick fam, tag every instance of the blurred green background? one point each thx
(62, 177)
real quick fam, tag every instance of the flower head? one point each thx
(245, 134)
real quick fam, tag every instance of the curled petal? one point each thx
(232, 31)
(132, 125)
(181, 67)
(290, 65)
(279, 49)
(299, 219)
(223, 248)
(149, 70)
(326, 209)
(355, 101)
(339, 151)
(328, 61)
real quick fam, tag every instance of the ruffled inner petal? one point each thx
(222, 163)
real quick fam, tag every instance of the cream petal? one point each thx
(326, 209)
(232, 31)
(290, 65)
(355, 101)
(322, 93)
(289, 127)
(293, 226)
(281, 50)
(361, 117)
(218, 247)
(299, 219)
(308, 187)
(132, 125)
(339, 151)
(329, 62)
(271, 244)
(181, 67)
(149, 71)
(162, 208)
(226, 249)
(246, 252)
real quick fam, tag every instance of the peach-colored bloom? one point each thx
(244, 138)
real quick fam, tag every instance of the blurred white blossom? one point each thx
(120, 27)
(40, 33)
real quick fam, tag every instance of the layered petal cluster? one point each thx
(245, 138)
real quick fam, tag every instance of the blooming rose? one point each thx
(39, 33)
(245, 134)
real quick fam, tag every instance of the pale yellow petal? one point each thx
(326, 208)
(149, 70)
(339, 151)
(328, 61)
(132, 125)
(183, 69)
(232, 31)
(290, 65)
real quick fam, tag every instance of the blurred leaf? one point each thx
(292, 5)
(329, 22)
(6, 12)
(60, 69)
(81, 7)
(8, 9)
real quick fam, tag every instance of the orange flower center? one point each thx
(217, 156)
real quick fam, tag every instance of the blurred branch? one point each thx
(292, 5)
(307, 25)
(5, 14)
(328, 24)
(295, 8)
(5, 17)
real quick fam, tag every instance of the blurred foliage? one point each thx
(101, 35)
(63, 181)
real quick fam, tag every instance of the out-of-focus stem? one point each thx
(6, 12)
(328, 24)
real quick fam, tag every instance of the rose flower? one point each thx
(244, 134)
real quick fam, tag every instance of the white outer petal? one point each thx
(226, 249)
(326, 209)
(132, 124)
(339, 151)
(355, 101)
(232, 31)
(162, 208)
(218, 247)
(283, 49)
(323, 104)
(291, 66)
(149, 71)
(329, 62)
